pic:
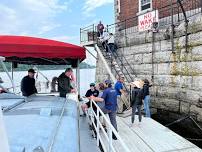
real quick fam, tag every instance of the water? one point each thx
(87, 76)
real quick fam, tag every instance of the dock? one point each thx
(151, 136)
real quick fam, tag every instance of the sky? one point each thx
(53, 19)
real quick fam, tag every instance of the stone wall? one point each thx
(177, 74)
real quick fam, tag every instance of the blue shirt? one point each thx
(118, 86)
(110, 97)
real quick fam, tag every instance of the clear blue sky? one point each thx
(53, 19)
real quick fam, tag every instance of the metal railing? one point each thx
(88, 33)
(129, 25)
(104, 137)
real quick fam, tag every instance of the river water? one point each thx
(86, 77)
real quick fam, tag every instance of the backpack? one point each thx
(137, 96)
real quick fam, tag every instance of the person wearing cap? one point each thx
(110, 97)
(136, 100)
(119, 90)
(64, 82)
(28, 84)
(91, 92)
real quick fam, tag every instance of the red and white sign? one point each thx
(145, 21)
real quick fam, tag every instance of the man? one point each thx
(112, 46)
(91, 92)
(64, 82)
(110, 98)
(119, 90)
(100, 28)
(2, 89)
(28, 84)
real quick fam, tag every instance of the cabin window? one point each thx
(145, 5)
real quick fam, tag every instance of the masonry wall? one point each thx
(177, 75)
(130, 9)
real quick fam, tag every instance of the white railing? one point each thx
(107, 144)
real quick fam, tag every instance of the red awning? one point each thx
(31, 50)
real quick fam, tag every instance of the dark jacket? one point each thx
(137, 96)
(146, 90)
(28, 86)
(64, 85)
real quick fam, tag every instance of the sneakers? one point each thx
(114, 137)
(131, 125)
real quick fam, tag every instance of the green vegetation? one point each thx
(23, 67)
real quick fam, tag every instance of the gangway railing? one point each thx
(104, 137)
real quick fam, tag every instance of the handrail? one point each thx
(111, 130)
(6, 70)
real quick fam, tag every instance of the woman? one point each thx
(146, 98)
(136, 101)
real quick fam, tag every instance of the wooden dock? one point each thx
(151, 136)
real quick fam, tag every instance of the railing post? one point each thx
(93, 33)
(201, 5)
(98, 127)
(110, 139)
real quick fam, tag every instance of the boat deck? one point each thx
(87, 142)
(150, 136)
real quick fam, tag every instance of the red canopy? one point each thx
(30, 50)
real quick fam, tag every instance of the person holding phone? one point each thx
(65, 82)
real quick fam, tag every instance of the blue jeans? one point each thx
(146, 106)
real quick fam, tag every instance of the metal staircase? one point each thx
(113, 62)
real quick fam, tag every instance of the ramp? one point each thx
(151, 136)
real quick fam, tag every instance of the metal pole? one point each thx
(78, 76)
(98, 127)
(186, 24)
(201, 5)
(172, 27)
(12, 70)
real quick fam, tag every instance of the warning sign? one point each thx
(145, 21)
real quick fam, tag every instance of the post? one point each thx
(78, 76)
(172, 27)
(110, 139)
(98, 127)
(12, 70)
(4, 147)
(201, 5)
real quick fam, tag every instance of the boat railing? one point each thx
(104, 137)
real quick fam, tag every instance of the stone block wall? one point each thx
(177, 74)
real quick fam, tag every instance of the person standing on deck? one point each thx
(100, 28)
(91, 92)
(64, 82)
(146, 98)
(136, 101)
(28, 84)
(110, 97)
(119, 90)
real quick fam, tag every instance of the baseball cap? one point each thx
(31, 70)
(92, 84)
(108, 82)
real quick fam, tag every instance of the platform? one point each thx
(151, 136)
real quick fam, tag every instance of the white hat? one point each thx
(136, 83)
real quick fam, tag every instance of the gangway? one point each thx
(147, 136)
